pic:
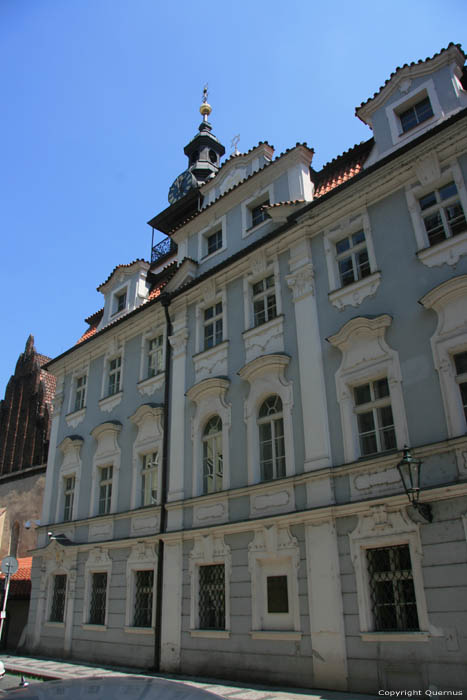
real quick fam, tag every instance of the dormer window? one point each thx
(214, 242)
(258, 214)
(120, 301)
(416, 114)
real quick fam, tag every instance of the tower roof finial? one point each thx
(205, 108)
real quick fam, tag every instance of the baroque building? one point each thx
(223, 494)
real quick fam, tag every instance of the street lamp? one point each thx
(409, 471)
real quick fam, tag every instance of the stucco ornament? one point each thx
(301, 282)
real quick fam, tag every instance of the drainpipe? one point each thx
(165, 301)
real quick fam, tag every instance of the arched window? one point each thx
(212, 456)
(271, 439)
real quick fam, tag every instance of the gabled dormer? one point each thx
(124, 290)
(416, 98)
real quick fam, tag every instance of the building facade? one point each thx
(222, 493)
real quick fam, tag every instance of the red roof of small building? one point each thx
(20, 583)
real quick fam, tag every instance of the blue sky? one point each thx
(100, 96)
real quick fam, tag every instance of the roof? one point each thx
(408, 65)
(50, 382)
(119, 267)
(20, 583)
(93, 321)
(234, 187)
(342, 168)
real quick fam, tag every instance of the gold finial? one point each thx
(205, 108)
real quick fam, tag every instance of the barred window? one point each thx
(144, 587)
(212, 597)
(212, 456)
(271, 439)
(98, 599)
(391, 589)
(57, 610)
(69, 493)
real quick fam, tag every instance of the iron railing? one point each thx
(163, 249)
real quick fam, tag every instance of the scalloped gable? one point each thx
(122, 271)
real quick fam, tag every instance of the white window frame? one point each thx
(209, 396)
(372, 407)
(108, 402)
(379, 528)
(70, 467)
(107, 454)
(249, 204)
(208, 550)
(219, 224)
(67, 492)
(352, 294)
(211, 297)
(432, 177)
(359, 339)
(149, 422)
(274, 552)
(97, 562)
(449, 301)
(75, 416)
(271, 419)
(425, 89)
(261, 269)
(265, 376)
(105, 480)
(115, 311)
(148, 385)
(143, 557)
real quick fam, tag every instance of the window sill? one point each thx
(395, 637)
(108, 403)
(94, 628)
(353, 294)
(279, 635)
(56, 625)
(73, 419)
(265, 339)
(447, 252)
(253, 229)
(151, 384)
(208, 256)
(211, 634)
(211, 362)
(139, 630)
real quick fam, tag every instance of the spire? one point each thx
(204, 151)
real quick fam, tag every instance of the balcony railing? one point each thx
(163, 249)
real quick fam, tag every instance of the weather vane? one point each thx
(205, 108)
(234, 145)
(205, 93)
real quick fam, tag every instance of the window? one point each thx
(80, 393)
(264, 300)
(69, 497)
(144, 588)
(442, 213)
(460, 361)
(115, 366)
(105, 490)
(149, 479)
(155, 355)
(258, 214)
(374, 417)
(120, 302)
(352, 258)
(212, 456)
(271, 439)
(418, 113)
(213, 325)
(212, 597)
(277, 595)
(57, 610)
(392, 592)
(98, 598)
(214, 242)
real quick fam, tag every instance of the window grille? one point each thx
(98, 599)
(144, 586)
(212, 597)
(57, 610)
(391, 589)
(278, 599)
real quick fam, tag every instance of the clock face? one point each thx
(180, 186)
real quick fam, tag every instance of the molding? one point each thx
(264, 339)
(354, 294)
(212, 362)
(108, 403)
(395, 637)
(210, 634)
(75, 418)
(149, 386)
(276, 635)
(302, 282)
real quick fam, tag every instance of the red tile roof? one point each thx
(408, 65)
(93, 321)
(118, 267)
(20, 583)
(342, 168)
